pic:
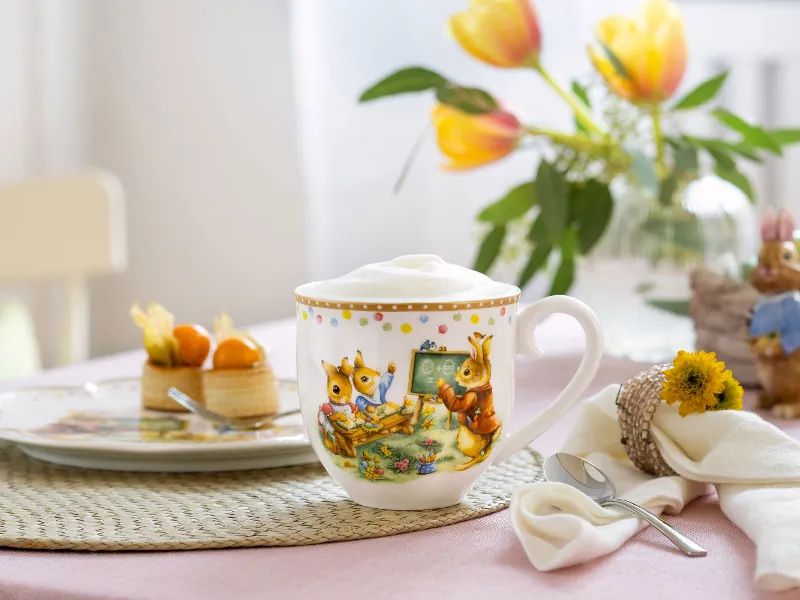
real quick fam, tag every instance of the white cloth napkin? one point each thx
(754, 465)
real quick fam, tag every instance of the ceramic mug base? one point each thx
(429, 501)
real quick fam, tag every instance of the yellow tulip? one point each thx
(470, 141)
(503, 33)
(651, 50)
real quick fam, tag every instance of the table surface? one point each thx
(477, 559)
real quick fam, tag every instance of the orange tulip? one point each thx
(470, 141)
(502, 33)
(650, 51)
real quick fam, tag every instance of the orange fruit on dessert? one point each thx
(236, 353)
(194, 344)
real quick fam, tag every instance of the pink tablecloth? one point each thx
(480, 559)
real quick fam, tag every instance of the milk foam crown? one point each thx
(418, 277)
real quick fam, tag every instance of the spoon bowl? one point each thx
(588, 479)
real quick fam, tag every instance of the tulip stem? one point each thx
(578, 107)
(576, 141)
(658, 139)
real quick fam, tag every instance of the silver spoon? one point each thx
(586, 478)
(240, 424)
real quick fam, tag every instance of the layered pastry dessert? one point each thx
(241, 382)
(175, 356)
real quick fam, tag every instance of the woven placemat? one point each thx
(60, 508)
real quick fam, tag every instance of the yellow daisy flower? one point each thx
(732, 394)
(428, 410)
(385, 450)
(427, 424)
(693, 381)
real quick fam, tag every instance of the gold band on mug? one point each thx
(408, 306)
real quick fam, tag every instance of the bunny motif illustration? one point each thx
(371, 387)
(775, 323)
(338, 406)
(479, 425)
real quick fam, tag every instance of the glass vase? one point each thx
(638, 277)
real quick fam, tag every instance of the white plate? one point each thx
(102, 426)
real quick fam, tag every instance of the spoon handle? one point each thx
(675, 536)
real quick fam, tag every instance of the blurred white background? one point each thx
(247, 164)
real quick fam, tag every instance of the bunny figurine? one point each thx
(775, 323)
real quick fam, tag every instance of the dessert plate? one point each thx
(102, 426)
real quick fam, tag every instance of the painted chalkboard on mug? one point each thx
(428, 366)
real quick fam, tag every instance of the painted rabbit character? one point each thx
(479, 425)
(338, 406)
(371, 386)
(775, 323)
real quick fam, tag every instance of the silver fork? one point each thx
(240, 424)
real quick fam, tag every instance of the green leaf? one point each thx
(616, 62)
(751, 133)
(590, 208)
(404, 81)
(538, 231)
(513, 205)
(551, 194)
(565, 275)
(784, 137)
(738, 179)
(645, 171)
(718, 150)
(702, 93)
(675, 307)
(744, 150)
(582, 94)
(667, 189)
(469, 100)
(489, 249)
(721, 157)
(537, 260)
(685, 157)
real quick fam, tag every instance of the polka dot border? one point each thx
(414, 307)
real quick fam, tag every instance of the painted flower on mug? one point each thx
(401, 466)
(642, 58)
(501, 33)
(471, 141)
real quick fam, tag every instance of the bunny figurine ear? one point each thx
(769, 226)
(785, 226)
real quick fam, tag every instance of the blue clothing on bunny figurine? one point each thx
(371, 387)
(362, 401)
(779, 314)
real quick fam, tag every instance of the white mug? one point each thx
(406, 377)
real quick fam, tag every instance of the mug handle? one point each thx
(527, 320)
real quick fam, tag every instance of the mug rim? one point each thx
(416, 305)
